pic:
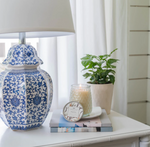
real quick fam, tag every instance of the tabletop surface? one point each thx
(123, 127)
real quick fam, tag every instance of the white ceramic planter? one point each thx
(102, 95)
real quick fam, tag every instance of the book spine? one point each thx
(73, 129)
(106, 129)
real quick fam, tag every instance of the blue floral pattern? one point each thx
(2, 113)
(37, 100)
(22, 55)
(26, 95)
(15, 101)
(50, 89)
(30, 86)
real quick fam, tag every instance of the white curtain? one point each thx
(101, 26)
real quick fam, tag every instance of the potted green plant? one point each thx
(100, 71)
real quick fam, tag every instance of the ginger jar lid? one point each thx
(22, 55)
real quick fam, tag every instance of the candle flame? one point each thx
(80, 85)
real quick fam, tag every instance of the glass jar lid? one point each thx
(73, 111)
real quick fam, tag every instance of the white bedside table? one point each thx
(127, 133)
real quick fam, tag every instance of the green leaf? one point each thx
(87, 60)
(111, 61)
(86, 75)
(88, 57)
(92, 64)
(113, 51)
(112, 66)
(84, 69)
(112, 79)
(109, 66)
(110, 71)
(92, 78)
(99, 70)
(103, 74)
(101, 63)
(85, 63)
(103, 57)
(90, 70)
(102, 82)
(104, 67)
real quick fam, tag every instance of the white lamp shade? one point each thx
(38, 18)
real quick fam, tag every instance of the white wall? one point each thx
(139, 60)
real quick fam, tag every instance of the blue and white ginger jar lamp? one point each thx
(26, 91)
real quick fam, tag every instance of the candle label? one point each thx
(73, 112)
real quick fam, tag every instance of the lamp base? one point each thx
(25, 94)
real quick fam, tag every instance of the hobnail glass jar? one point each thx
(82, 94)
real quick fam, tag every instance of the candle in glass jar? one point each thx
(82, 94)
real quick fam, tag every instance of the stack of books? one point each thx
(58, 124)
